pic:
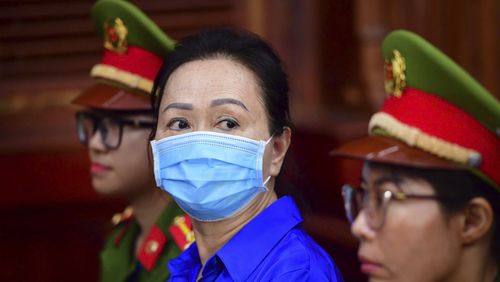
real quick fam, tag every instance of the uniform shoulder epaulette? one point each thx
(119, 219)
(182, 231)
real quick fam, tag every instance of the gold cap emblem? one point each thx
(115, 35)
(395, 78)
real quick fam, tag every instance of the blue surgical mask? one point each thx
(211, 176)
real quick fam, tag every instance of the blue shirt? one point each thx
(272, 246)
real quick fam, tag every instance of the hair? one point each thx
(454, 190)
(243, 47)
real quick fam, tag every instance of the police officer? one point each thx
(428, 205)
(115, 125)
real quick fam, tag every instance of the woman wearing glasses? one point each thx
(115, 126)
(428, 205)
(222, 135)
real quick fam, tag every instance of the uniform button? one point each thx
(152, 246)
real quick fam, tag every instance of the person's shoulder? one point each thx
(299, 244)
(297, 255)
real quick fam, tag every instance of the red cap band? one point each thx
(437, 117)
(135, 60)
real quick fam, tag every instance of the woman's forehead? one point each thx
(202, 82)
(211, 74)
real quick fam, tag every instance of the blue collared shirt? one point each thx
(272, 246)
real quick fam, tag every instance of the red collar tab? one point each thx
(182, 232)
(151, 248)
(439, 118)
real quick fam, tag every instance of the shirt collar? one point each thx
(258, 237)
(187, 264)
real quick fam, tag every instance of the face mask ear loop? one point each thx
(265, 183)
(269, 177)
(272, 135)
(269, 140)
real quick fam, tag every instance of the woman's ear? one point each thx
(477, 220)
(280, 144)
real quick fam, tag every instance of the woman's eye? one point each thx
(228, 124)
(178, 124)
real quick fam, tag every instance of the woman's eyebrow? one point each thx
(181, 106)
(218, 102)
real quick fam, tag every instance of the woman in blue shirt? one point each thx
(223, 130)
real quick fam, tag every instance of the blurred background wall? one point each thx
(52, 223)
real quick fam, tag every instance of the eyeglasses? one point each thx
(110, 127)
(374, 203)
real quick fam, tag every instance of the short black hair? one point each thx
(243, 47)
(454, 189)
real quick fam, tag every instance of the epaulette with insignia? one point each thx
(182, 232)
(125, 218)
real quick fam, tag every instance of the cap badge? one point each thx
(115, 35)
(395, 78)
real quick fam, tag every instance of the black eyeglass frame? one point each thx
(349, 192)
(97, 124)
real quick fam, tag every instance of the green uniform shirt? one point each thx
(119, 261)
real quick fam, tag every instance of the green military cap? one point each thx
(430, 70)
(435, 114)
(134, 48)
